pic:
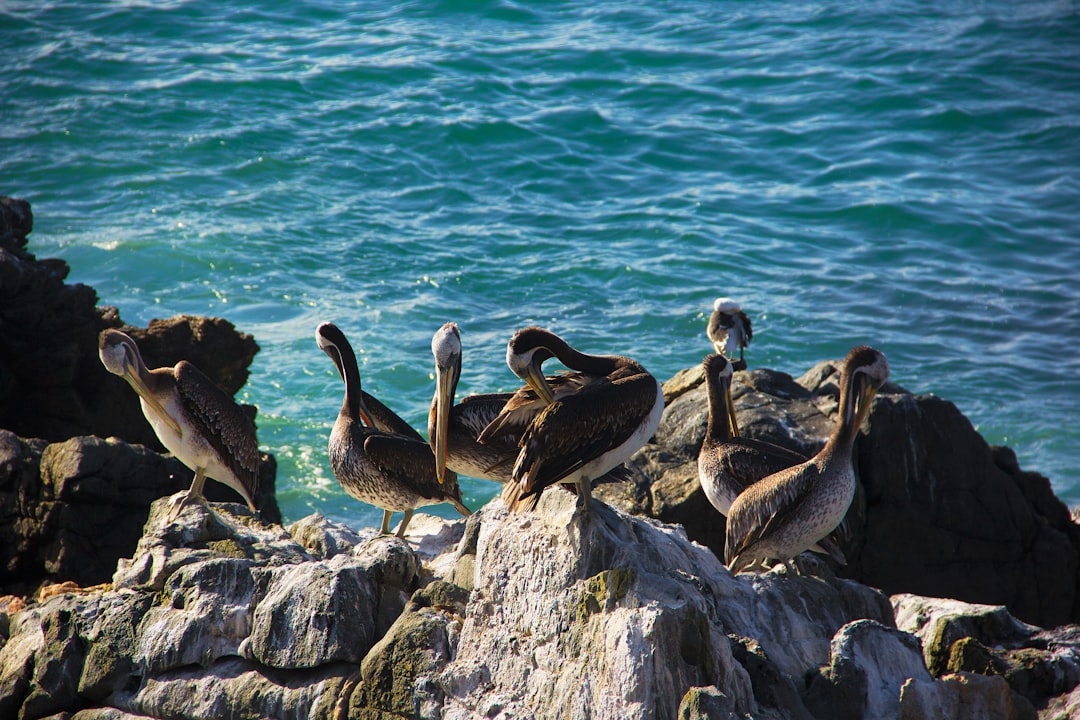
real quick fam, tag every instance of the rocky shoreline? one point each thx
(960, 598)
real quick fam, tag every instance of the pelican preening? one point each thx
(787, 512)
(601, 413)
(374, 457)
(729, 330)
(194, 419)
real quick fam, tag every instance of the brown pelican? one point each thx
(787, 512)
(597, 419)
(729, 330)
(194, 419)
(377, 458)
(453, 429)
(728, 463)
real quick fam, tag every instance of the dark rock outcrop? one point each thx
(937, 512)
(71, 504)
(69, 510)
(52, 384)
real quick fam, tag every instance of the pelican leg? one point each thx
(584, 491)
(404, 522)
(385, 529)
(193, 494)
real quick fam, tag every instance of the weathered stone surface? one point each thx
(54, 387)
(939, 623)
(706, 704)
(937, 512)
(234, 689)
(620, 617)
(71, 509)
(961, 696)
(397, 678)
(957, 637)
(868, 664)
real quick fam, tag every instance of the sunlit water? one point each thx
(900, 174)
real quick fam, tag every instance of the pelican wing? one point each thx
(746, 328)
(765, 506)
(523, 406)
(575, 430)
(748, 460)
(221, 421)
(387, 420)
(407, 461)
(476, 412)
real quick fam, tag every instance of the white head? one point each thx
(724, 304)
(446, 344)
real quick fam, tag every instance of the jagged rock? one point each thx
(52, 384)
(961, 696)
(957, 637)
(868, 664)
(235, 688)
(621, 616)
(939, 623)
(706, 704)
(937, 512)
(397, 678)
(215, 601)
(70, 510)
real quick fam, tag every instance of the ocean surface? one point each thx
(903, 174)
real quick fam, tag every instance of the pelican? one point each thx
(728, 463)
(787, 512)
(581, 430)
(193, 418)
(453, 429)
(729, 330)
(378, 458)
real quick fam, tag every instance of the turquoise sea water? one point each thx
(904, 174)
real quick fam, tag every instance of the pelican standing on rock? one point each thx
(388, 467)
(579, 432)
(453, 429)
(786, 513)
(729, 463)
(729, 330)
(193, 418)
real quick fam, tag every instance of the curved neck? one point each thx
(847, 425)
(346, 361)
(575, 359)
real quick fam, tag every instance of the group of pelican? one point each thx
(568, 429)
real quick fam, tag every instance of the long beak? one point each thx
(536, 380)
(867, 391)
(442, 420)
(733, 424)
(144, 392)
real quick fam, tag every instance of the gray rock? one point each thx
(234, 688)
(1038, 665)
(868, 664)
(618, 617)
(311, 614)
(706, 704)
(961, 696)
(324, 538)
